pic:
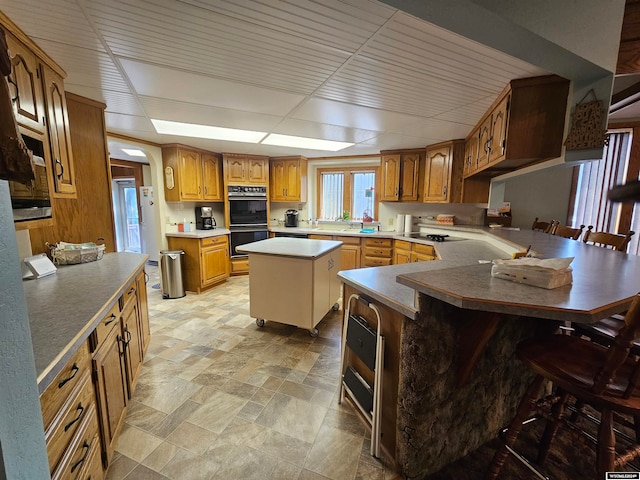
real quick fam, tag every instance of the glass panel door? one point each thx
(125, 207)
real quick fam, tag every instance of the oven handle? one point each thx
(258, 227)
(249, 197)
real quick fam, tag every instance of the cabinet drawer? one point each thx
(375, 261)
(377, 252)
(65, 425)
(402, 245)
(376, 242)
(314, 236)
(56, 394)
(424, 249)
(105, 326)
(206, 242)
(78, 454)
(348, 240)
(93, 465)
(130, 294)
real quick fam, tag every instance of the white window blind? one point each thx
(331, 203)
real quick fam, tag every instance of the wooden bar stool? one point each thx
(606, 379)
(566, 232)
(615, 241)
(542, 226)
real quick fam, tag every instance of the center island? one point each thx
(450, 376)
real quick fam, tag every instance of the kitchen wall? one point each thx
(22, 447)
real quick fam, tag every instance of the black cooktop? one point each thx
(434, 237)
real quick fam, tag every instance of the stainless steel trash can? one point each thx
(171, 280)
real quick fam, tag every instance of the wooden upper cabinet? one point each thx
(390, 180)
(471, 153)
(245, 169)
(288, 179)
(64, 181)
(190, 168)
(25, 86)
(437, 174)
(191, 175)
(400, 177)
(212, 178)
(524, 126)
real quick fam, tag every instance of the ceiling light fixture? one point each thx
(206, 131)
(134, 152)
(303, 142)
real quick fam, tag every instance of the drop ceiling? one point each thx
(347, 70)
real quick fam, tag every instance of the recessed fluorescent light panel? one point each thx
(134, 152)
(206, 131)
(303, 142)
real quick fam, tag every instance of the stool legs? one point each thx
(524, 409)
(552, 427)
(606, 453)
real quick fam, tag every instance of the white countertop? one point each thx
(215, 232)
(290, 247)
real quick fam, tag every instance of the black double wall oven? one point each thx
(247, 215)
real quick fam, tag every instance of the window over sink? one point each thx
(347, 193)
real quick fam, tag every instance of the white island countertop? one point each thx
(290, 247)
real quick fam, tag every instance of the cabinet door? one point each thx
(26, 86)
(143, 311)
(498, 133)
(422, 257)
(350, 257)
(190, 167)
(437, 175)
(59, 135)
(277, 177)
(111, 388)
(235, 171)
(212, 178)
(390, 178)
(471, 154)
(257, 169)
(401, 256)
(214, 264)
(409, 166)
(484, 134)
(292, 180)
(132, 337)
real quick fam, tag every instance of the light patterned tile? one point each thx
(217, 411)
(191, 437)
(292, 417)
(136, 443)
(162, 455)
(335, 454)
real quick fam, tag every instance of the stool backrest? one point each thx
(616, 241)
(542, 226)
(619, 352)
(566, 232)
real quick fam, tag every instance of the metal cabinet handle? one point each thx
(59, 164)
(75, 370)
(11, 82)
(86, 447)
(113, 318)
(68, 425)
(444, 190)
(132, 291)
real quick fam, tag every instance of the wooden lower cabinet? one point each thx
(409, 252)
(376, 252)
(350, 250)
(206, 261)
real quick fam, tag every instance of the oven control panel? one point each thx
(247, 191)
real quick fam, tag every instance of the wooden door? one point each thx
(484, 134)
(471, 154)
(132, 337)
(292, 180)
(143, 311)
(111, 388)
(390, 180)
(212, 178)
(190, 171)
(235, 171)
(437, 175)
(409, 167)
(214, 264)
(257, 169)
(498, 133)
(277, 177)
(401, 256)
(350, 257)
(25, 86)
(64, 180)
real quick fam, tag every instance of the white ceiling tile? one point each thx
(302, 128)
(120, 123)
(155, 81)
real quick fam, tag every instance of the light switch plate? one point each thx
(40, 266)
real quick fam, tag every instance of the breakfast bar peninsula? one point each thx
(450, 377)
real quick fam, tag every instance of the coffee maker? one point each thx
(291, 218)
(204, 218)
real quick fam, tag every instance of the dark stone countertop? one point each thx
(64, 308)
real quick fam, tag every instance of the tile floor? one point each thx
(220, 398)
